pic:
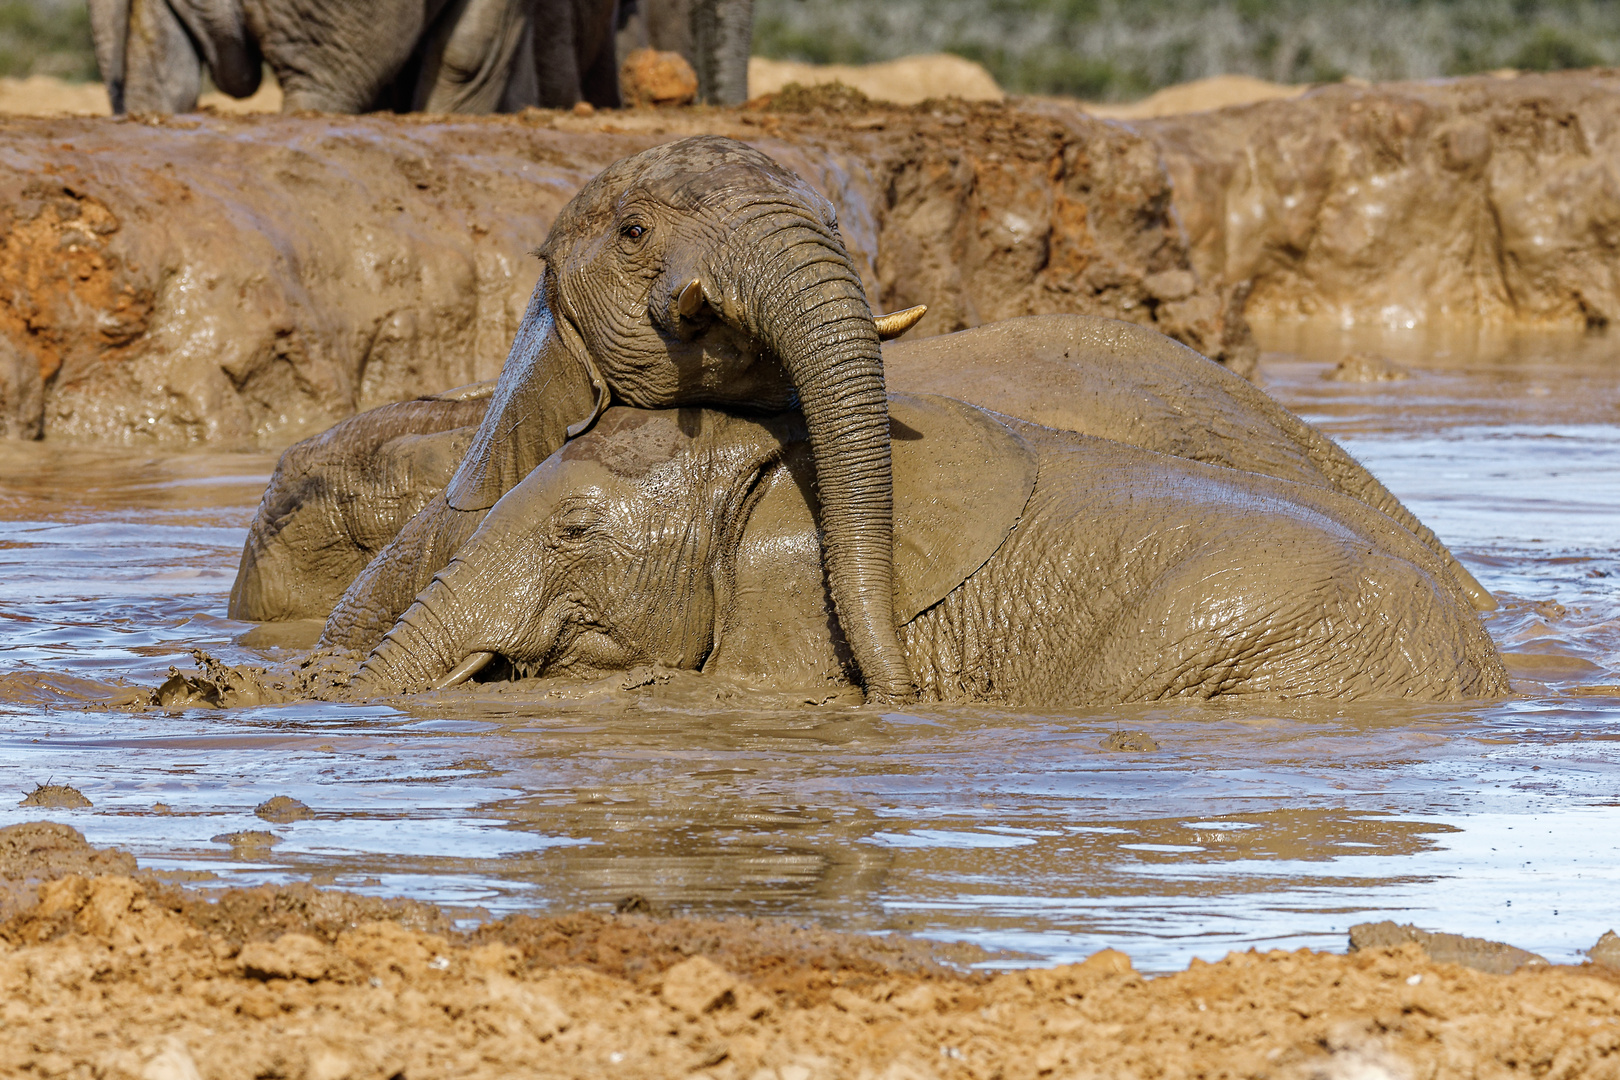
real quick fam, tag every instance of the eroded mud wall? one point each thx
(248, 280)
(1483, 199)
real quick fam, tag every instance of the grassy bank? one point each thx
(1120, 49)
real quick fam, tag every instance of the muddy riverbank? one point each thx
(104, 974)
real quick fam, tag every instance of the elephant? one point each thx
(326, 512)
(716, 36)
(351, 56)
(1033, 568)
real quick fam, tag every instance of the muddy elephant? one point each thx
(696, 272)
(1033, 567)
(351, 56)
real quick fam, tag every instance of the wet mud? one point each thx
(112, 975)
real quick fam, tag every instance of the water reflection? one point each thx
(1281, 825)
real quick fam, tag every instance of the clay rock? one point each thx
(1134, 742)
(1607, 950)
(281, 810)
(48, 849)
(56, 797)
(290, 956)
(1398, 204)
(1366, 367)
(1477, 953)
(111, 907)
(651, 78)
(697, 985)
(248, 281)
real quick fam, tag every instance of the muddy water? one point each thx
(1277, 826)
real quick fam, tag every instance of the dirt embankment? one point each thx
(246, 280)
(109, 975)
(1493, 200)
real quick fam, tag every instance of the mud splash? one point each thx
(1015, 831)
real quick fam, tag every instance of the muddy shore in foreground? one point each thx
(111, 975)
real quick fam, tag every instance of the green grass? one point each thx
(1121, 49)
(46, 37)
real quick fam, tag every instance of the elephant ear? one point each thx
(961, 481)
(549, 391)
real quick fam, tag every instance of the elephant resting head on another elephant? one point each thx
(1033, 567)
(699, 272)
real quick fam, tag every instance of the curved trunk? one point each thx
(799, 294)
(416, 653)
(545, 393)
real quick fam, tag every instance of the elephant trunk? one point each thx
(422, 646)
(800, 295)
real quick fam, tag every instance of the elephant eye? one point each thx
(633, 232)
(577, 523)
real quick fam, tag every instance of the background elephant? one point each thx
(716, 36)
(1033, 568)
(1093, 376)
(351, 56)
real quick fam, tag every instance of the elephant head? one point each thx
(688, 538)
(702, 272)
(603, 557)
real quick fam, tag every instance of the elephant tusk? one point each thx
(895, 323)
(690, 299)
(465, 670)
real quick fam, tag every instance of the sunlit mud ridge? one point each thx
(124, 976)
(236, 280)
(242, 279)
(1481, 200)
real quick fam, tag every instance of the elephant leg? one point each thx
(162, 71)
(599, 77)
(340, 497)
(556, 59)
(722, 37)
(109, 33)
(469, 60)
(219, 28)
(337, 57)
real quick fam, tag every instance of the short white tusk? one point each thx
(896, 323)
(690, 299)
(465, 670)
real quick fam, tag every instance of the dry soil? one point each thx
(106, 974)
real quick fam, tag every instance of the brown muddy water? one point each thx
(1280, 826)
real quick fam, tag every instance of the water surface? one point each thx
(1277, 827)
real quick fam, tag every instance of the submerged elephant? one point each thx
(351, 56)
(1033, 568)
